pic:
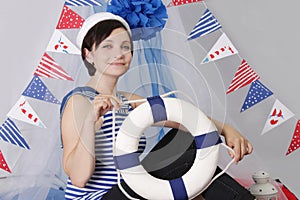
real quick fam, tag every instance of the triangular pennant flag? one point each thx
(222, 48)
(23, 111)
(256, 94)
(69, 19)
(50, 69)
(10, 133)
(59, 43)
(277, 116)
(3, 164)
(182, 2)
(295, 142)
(38, 90)
(244, 76)
(82, 3)
(207, 24)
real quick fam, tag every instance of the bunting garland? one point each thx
(38, 90)
(244, 76)
(10, 133)
(3, 164)
(50, 69)
(207, 24)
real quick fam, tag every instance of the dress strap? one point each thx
(85, 91)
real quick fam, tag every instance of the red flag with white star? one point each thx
(295, 142)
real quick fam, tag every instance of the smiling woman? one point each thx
(107, 52)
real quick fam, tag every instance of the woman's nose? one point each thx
(118, 53)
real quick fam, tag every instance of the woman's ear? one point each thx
(88, 55)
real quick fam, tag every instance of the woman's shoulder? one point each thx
(79, 95)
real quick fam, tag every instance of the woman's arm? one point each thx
(80, 121)
(78, 133)
(235, 140)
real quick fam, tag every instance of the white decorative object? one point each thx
(263, 189)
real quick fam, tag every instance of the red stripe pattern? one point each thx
(244, 76)
(50, 69)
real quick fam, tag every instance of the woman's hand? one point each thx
(104, 103)
(237, 142)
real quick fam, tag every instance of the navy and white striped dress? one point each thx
(105, 174)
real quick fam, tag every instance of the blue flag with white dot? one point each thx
(256, 94)
(38, 90)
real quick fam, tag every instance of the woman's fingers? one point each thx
(241, 148)
(104, 103)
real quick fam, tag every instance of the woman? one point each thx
(86, 113)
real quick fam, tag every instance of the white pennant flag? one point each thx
(222, 48)
(277, 116)
(61, 44)
(23, 111)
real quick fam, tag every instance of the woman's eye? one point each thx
(108, 46)
(126, 47)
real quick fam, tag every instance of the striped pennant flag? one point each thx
(50, 69)
(82, 3)
(3, 164)
(207, 24)
(244, 76)
(9, 132)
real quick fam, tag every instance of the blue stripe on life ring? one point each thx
(158, 108)
(178, 189)
(127, 160)
(207, 140)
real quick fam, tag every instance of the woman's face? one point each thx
(113, 55)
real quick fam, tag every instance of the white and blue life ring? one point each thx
(205, 136)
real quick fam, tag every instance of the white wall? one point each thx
(265, 33)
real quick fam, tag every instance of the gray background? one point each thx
(266, 34)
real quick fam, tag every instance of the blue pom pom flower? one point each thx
(145, 17)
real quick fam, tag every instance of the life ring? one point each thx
(202, 129)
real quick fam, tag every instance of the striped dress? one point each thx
(105, 174)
